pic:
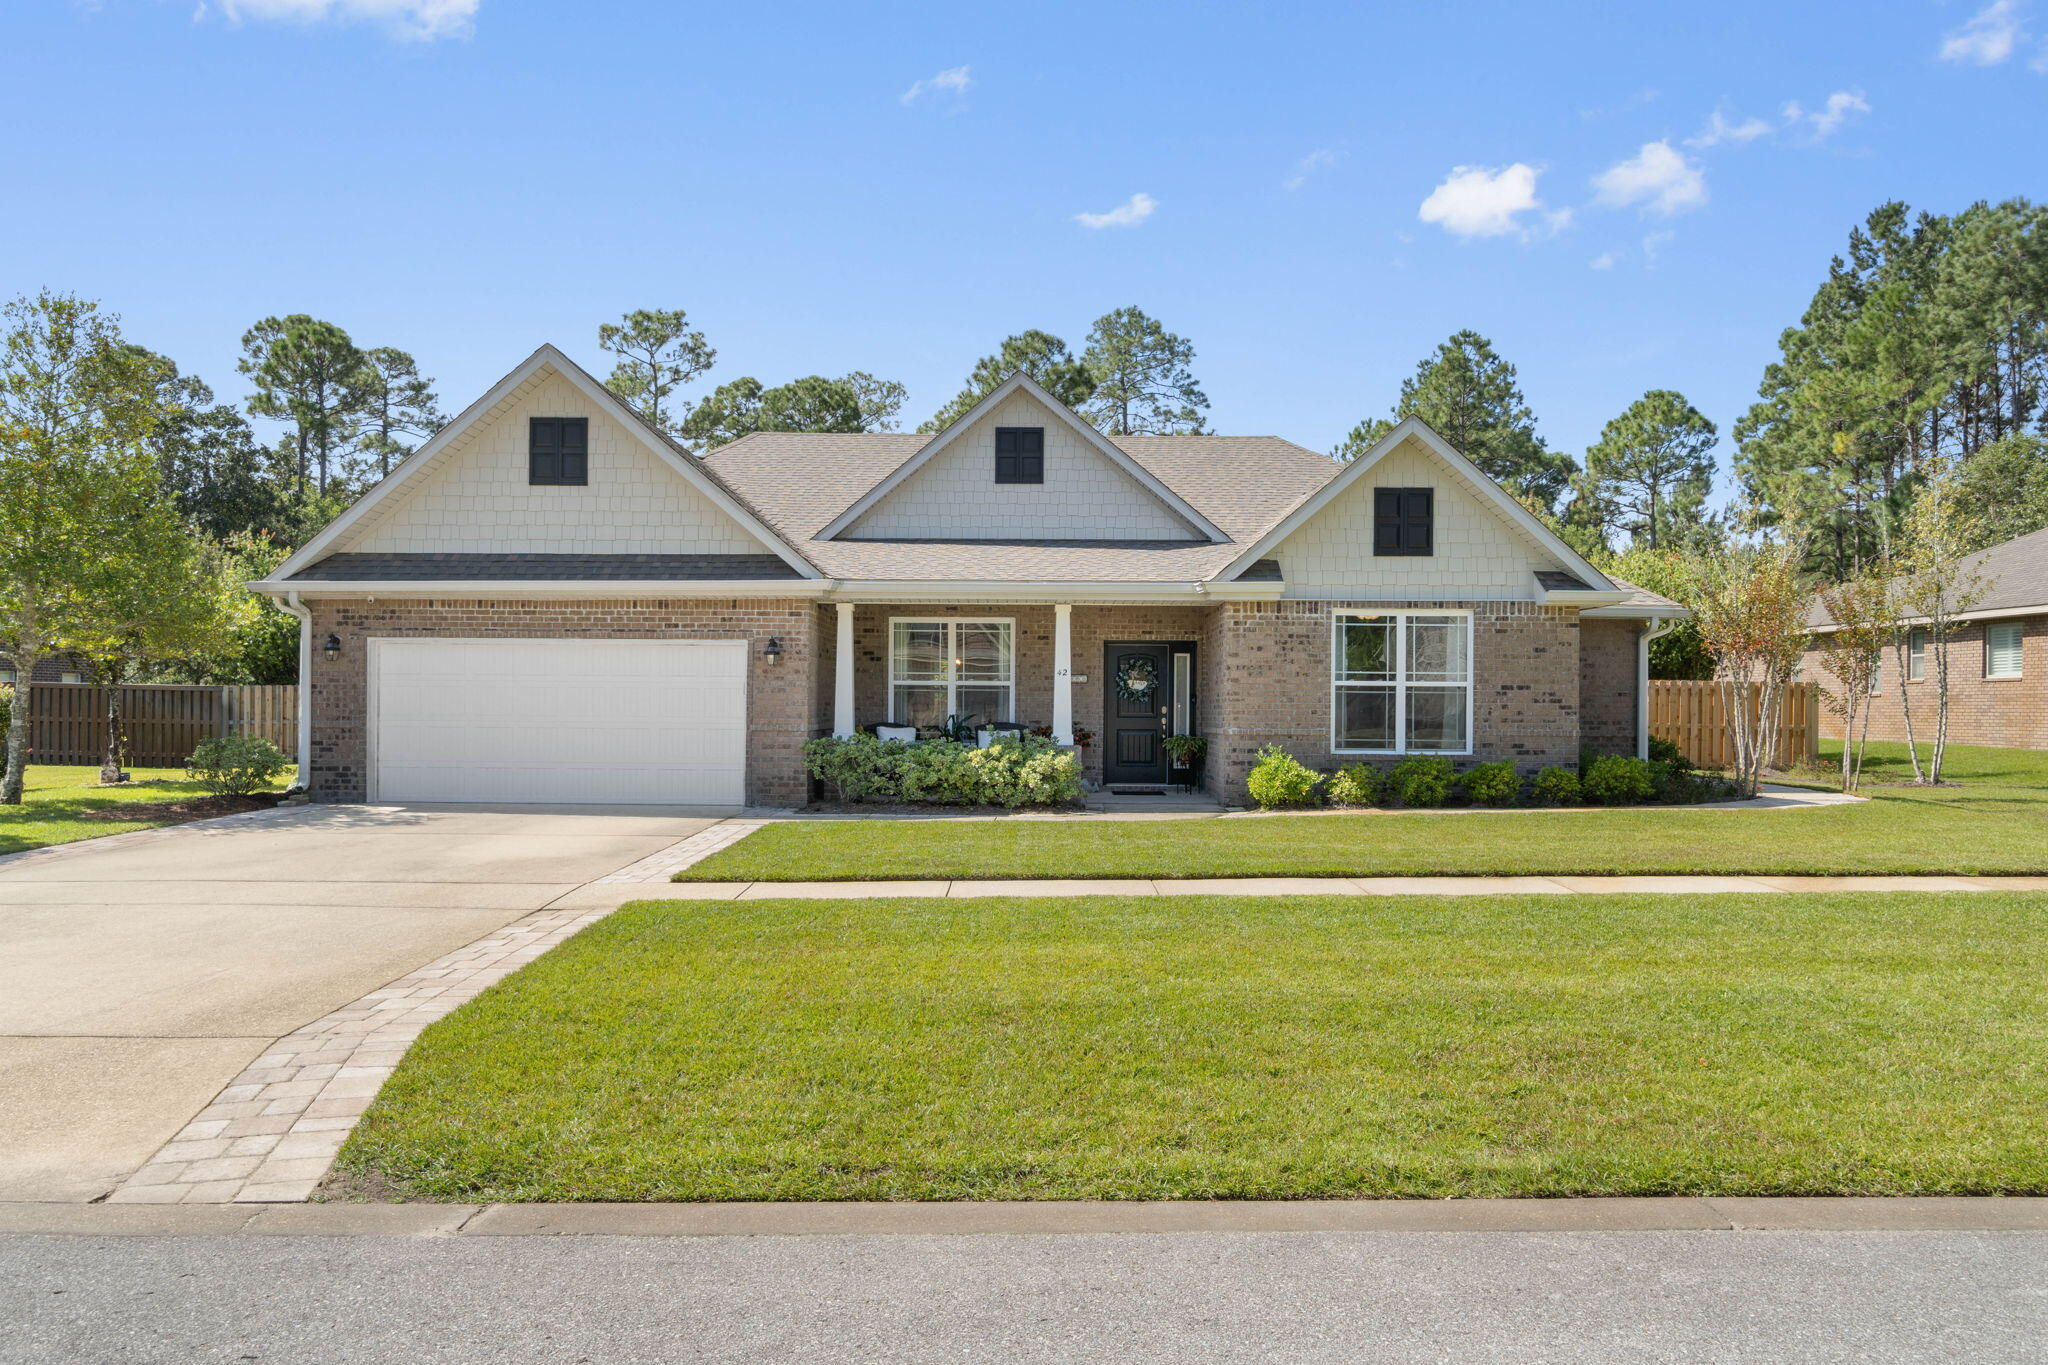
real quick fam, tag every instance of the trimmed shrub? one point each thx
(236, 765)
(6, 709)
(1555, 786)
(1024, 771)
(1611, 780)
(1492, 784)
(1357, 785)
(1670, 755)
(1421, 782)
(1279, 779)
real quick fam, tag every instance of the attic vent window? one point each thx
(1402, 521)
(558, 450)
(1020, 454)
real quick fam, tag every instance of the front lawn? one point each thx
(1219, 1047)
(1996, 821)
(57, 804)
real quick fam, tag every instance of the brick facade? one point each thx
(782, 699)
(1607, 685)
(2003, 712)
(1262, 673)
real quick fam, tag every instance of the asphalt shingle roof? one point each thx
(799, 481)
(2015, 575)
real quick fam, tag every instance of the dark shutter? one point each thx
(1401, 520)
(558, 450)
(1020, 454)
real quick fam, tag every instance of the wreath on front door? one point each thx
(1137, 680)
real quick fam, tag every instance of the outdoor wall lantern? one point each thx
(773, 651)
(332, 649)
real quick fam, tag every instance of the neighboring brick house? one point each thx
(1997, 660)
(51, 668)
(549, 601)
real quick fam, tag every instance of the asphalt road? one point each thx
(1524, 1297)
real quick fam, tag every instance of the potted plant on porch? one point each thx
(1185, 753)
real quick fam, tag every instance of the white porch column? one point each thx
(1063, 673)
(842, 674)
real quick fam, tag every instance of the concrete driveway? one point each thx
(138, 979)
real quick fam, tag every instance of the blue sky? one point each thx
(1622, 197)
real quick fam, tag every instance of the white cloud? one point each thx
(1658, 177)
(1720, 130)
(1831, 115)
(1605, 260)
(413, 20)
(1321, 159)
(1130, 213)
(1653, 246)
(1479, 201)
(954, 80)
(1988, 39)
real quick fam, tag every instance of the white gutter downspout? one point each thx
(1656, 632)
(292, 604)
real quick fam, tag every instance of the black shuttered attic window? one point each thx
(1401, 521)
(558, 450)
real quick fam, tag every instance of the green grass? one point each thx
(55, 797)
(1200, 1047)
(1995, 822)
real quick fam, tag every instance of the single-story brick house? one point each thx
(551, 602)
(1997, 660)
(51, 668)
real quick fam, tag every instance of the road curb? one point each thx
(1034, 1218)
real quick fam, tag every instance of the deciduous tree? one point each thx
(1941, 581)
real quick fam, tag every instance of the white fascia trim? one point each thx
(899, 590)
(1110, 451)
(575, 589)
(1645, 611)
(1988, 614)
(549, 357)
(1572, 597)
(1472, 474)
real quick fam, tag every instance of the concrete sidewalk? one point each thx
(1034, 1217)
(601, 895)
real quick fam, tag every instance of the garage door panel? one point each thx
(560, 721)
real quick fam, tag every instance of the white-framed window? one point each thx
(2002, 642)
(1401, 682)
(952, 668)
(71, 676)
(6, 677)
(1916, 656)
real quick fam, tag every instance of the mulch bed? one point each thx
(180, 812)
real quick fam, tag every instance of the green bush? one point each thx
(1492, 784)
(1023, 771)
(1555, 786)
(1357, 785)
(1420, 783)
(1612, 780)
(1669, 754)
(1278, 779)
(6, 709)
(236, 765)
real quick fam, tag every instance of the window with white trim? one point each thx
(951, 668)
(2002, 649)
(1916, 656)
(1401, 682)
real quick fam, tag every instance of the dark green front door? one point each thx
(1137, 695)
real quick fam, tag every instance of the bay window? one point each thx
(951, 668)
(1401, 682)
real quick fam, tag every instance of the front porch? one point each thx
(1050, 667)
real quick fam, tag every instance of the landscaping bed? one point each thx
(1994, 822)
(1012, 1048)
(62, 804)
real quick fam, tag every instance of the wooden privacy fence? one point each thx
(164, 723)
(1694, 716)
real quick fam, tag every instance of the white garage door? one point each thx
(661, 722)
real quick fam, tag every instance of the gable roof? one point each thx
(2015, 573)
(802, 481)
(692, 471)
(1087, 431)
(1489, 491)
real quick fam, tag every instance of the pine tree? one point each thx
(1143, 386)
(1649, 474)
(1040, 355)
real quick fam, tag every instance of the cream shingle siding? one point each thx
(1480, 554)
(1084, 496)
(475, 497)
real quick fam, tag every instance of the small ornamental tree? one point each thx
(1942, 582)
(1865, 615)
(1750, 602)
